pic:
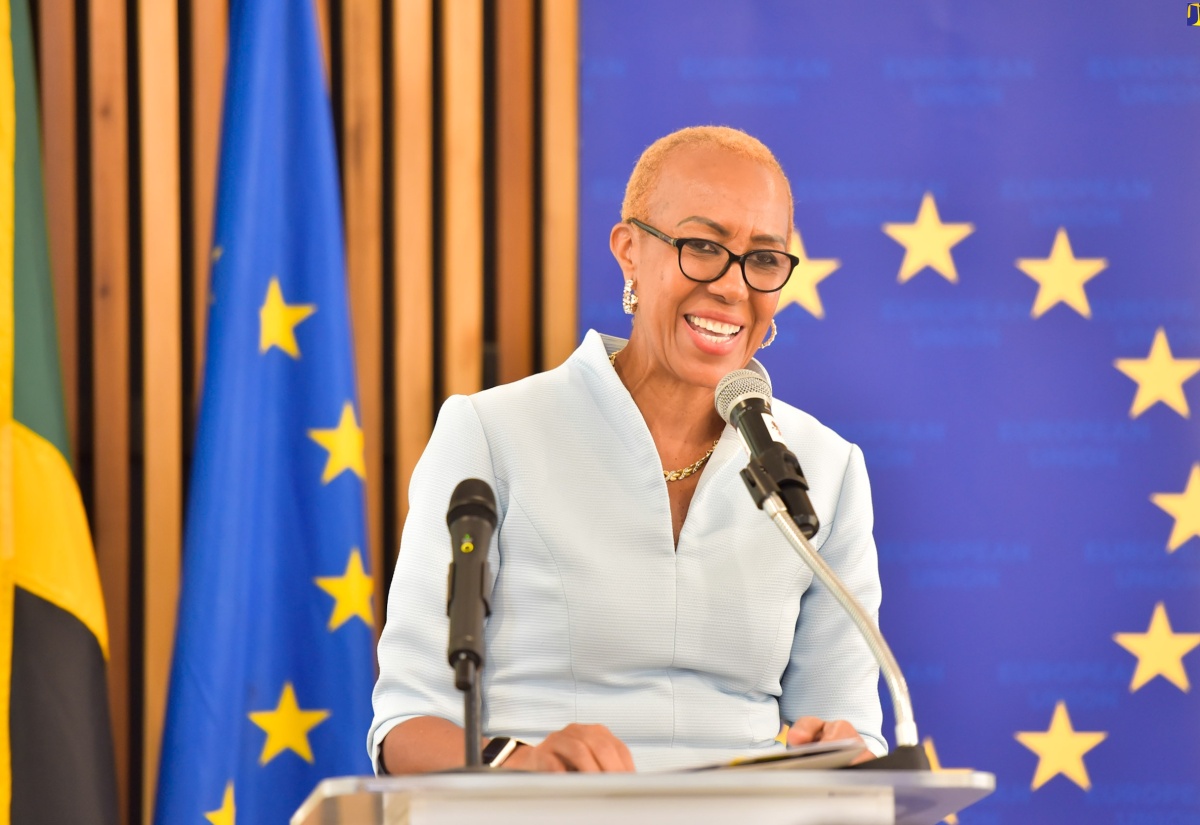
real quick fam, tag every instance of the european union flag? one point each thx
(999, 304)
(271, 683)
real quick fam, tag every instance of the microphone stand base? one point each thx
(900, 758)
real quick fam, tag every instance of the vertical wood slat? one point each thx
(412, 145)
(362, 184)
(462, 215)
(110, 354)
(56, 70)
(162, 359)
(513, 206)
(560, 179)
(209, 33)
(323, 33)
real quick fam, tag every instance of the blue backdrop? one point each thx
(1022, 381)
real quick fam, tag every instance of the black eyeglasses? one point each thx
(701, 260)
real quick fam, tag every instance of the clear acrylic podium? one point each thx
(769, 797)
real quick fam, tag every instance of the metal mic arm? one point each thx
(466, 671)
(766, 497)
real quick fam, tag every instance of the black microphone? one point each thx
(743, 399)
(471, 518)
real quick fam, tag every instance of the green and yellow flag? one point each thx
(56, 754)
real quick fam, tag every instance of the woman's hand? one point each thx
(584, 748)
(811, 729)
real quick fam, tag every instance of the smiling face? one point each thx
(696, 333)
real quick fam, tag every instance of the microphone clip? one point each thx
(759, 483)
(786, 482)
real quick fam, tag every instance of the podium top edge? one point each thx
(626, 784)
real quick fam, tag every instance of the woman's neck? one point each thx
(677, 414)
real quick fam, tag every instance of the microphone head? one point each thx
(739, 385)
(761, 370)
(472, 497)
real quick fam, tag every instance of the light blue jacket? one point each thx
(688, 655)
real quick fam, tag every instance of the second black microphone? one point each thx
(471, 519)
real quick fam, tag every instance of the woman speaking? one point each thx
(645, 615)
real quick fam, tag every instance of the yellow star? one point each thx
(226, 814)
(1159, 651)
(935, 766)
(352, 591)
(287, 727)
(1159, 377)
(345, 445)
(927, 242)
(1060, 749)
(801, 288)
(1061, 277)
(1185, 507)
(277, 321)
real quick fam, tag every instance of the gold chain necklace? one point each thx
(691, 469)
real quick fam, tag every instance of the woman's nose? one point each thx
(730, 287)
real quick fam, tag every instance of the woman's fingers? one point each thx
(574, 749)
(865, 756)
(811, 729)
(582, 748)
(838, 729)
(610, 752)
(805, 729)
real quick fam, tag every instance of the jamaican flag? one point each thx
(56, 755)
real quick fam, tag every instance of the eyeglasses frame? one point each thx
(741, 259)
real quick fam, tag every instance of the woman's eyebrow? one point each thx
(725, 233)
(709, 222)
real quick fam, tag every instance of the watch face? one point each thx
(494, 749)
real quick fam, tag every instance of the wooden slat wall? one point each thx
(362, 184)
(207, 35)
(514, 204)
(56, 70)
(462, 198)
(107, 233)
(560, 175)
(412, 270)
(456, 128)
(162, 365)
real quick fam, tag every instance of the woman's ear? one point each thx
(620, 241)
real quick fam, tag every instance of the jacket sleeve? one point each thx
(831, 673)
(415, 678)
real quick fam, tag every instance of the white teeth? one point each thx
(719, 327)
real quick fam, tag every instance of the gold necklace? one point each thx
(680, 475)
(691, 469)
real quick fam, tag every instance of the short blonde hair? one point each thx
(725, 138)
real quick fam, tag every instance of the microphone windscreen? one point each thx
(737, 385)
(761, 370)
(472, 497)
